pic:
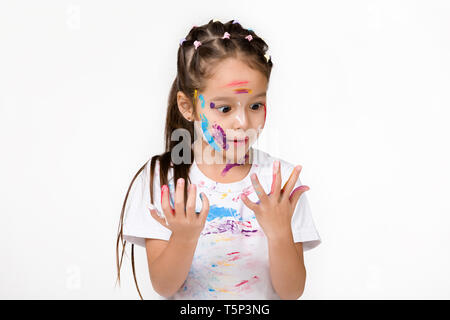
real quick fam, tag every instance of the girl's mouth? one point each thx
(239, 141)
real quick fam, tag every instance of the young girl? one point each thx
(219, 219)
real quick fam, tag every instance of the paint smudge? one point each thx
(228, 166)
(216, 212)
(212, 105)
(248, 282)
(242, 90)
(247, 191)
(236, 83)
(202, 100)
(243, 227)
(219, 135)
(195, 96)
(206, 133)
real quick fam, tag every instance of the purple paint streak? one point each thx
(228, 166)
(219, 135)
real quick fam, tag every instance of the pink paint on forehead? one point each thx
(236, 83)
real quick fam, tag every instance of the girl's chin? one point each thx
(236, 154)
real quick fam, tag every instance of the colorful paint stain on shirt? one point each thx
(217, 212)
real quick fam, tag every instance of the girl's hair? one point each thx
(195, 64)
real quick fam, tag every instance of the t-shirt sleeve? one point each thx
(302, 223)
(138, 223)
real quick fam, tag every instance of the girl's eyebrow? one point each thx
(230, 98)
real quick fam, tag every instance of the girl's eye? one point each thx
(224, 109)
(258, 106)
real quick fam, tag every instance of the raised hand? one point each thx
(184, 223)
(274, 210)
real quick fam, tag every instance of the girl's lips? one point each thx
(239, 140)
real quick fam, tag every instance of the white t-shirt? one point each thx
(231, 259)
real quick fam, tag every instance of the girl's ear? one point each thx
(185, 106)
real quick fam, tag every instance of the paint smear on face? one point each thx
(212, 105)
(202, 100)
(228, 166)
(206, 133)
(219, 135)
(236, 83)
(242, 90)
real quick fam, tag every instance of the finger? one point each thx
(290, 183)
(165, 202)
(154, 214)
(190, 203)
(250, 204)
(179, 199)
(259, 189)
(295, 195)
(276, 180)
(205, 207)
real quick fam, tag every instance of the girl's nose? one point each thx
(241, 120)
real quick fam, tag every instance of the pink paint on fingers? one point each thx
(303, 188)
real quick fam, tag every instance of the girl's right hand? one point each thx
(184, 223)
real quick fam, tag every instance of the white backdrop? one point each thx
(359, 96)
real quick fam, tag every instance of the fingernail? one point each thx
(180, 181)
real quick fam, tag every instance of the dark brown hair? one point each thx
(194, 67)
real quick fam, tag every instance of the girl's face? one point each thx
(231, 112)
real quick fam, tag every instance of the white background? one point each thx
(359, 96)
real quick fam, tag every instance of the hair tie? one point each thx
(182, 40)
(197, 44)
(235, 21)
(267, 57)
(249, 37)
(226, 35)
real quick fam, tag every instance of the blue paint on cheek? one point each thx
(202, 99)
(208, 136)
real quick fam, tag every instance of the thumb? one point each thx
(295, 195)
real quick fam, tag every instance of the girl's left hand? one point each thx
(274, 210)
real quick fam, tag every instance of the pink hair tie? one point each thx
(197, 44)
(249, 37)
(226, 35)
